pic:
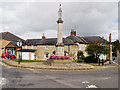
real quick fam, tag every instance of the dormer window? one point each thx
(26, 46)
(46, 47)
(85, 47)
(79, 47)
(32, 46)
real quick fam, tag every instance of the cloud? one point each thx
(31, 19)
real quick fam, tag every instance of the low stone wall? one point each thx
(58, 62)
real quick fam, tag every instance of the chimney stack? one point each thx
(43, 37)
(110, 37)
(73, 33)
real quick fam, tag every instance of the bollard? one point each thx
(102, 62)
(8, 56)
(99, 62)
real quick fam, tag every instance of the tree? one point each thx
(115, 47)
(97, 49)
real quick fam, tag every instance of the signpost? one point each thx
(19, 44)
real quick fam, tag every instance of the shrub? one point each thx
(72, 55)
(90, 59)
(81, 58)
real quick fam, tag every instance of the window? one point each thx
(25, 46)
(85, 47)
(79, 47)
(85, 54)
(11, 51)
(46, 47)
(59, 49)
(3, 52)
(32, 47)
(46, 55)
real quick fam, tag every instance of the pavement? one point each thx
(40, 65)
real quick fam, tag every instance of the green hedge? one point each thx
(28, 60)
(81, 58)
(90, 59)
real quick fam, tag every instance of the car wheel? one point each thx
(9, 57)
(14, 58)
(5, 57)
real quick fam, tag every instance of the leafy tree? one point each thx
(96, 49)
(115, 47)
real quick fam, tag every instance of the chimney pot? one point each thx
(43, 37)
(110, 37)
(73, 33)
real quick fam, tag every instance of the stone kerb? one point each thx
(58, 62)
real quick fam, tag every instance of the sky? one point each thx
(29, 20)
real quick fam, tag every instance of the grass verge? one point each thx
(93, 64)
(16, 60)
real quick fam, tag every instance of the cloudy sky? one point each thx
(32, 19)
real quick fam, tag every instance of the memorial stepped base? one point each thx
(58, 62)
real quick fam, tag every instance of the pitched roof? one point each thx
(31, 41)
(27, 50)
(95, 39)
(88, 39)
(9, 36)
(76, 39)
(70, 40)
(47, 41)
(13, 43)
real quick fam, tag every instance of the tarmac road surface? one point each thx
(29, 78)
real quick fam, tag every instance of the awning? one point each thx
(27, 50)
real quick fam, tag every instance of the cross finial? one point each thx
(60, 5)
(60, 12)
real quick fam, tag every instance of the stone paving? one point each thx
(40, 65)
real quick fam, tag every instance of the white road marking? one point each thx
(85, 82)
(2, 81)
(91, 86)
(107, 78)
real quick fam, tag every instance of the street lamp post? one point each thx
(19, 43)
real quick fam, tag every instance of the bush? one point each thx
(81, 58)
(90, 59)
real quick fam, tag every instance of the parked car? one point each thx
(59, 57)
(8, 55)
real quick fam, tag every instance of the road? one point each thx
(116, 59)
(28, 78)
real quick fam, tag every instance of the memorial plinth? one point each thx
(53, 62)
